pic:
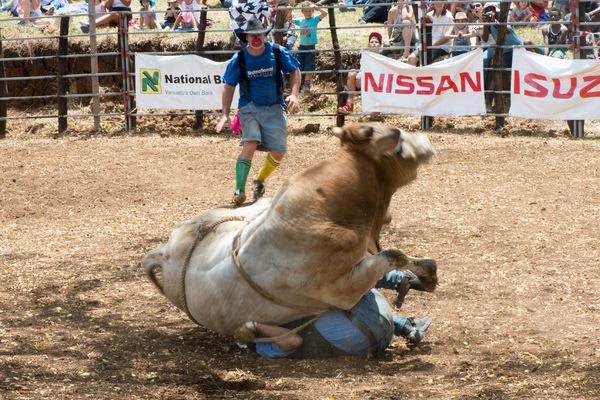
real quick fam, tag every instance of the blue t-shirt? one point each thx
(262, 85)
(372, 309)
(511, 38)
(308, 33)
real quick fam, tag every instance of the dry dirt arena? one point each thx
(512, 222)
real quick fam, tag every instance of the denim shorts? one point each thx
(306, 60)
(266, 124)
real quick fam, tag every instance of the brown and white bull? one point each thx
(305, 250)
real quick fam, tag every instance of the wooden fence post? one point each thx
(499, 82)
(199, 114)
(3, 93)
(63, 67)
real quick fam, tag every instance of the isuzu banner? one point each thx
(186, 82)
(451, 87)
(550, 88)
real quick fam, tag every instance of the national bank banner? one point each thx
(186, 82)
(451, 87)
(550, 88)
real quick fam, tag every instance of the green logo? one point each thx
(150, 81)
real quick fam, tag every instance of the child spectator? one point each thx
(171, 16)
(289, 36)
(190, 17)
(401, 35)
(375, 42)
(148, 15)
(521, 13)
(461, 34)
(308, 39)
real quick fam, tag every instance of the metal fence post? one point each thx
(124, 53)
(3, 93)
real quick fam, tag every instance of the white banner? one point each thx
(550, 88)
(451, 87)
(179, 82)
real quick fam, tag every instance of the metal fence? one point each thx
(338, 70)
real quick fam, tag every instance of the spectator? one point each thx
(366, 329)
(553, 34)
(308, 39)
(441, 19)
(461, 34)
(375, 11)
(31, 9)
(511, 39)
(564, 6)
(402, 34)
(521, 12)
(116, 7)
(148, 15)
(538, 9)
(171, 16)
(261, 106)
(289, 36)
(189, 18)
(375, 42)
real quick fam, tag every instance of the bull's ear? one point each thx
(385, 142)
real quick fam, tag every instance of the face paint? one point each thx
(256, 42)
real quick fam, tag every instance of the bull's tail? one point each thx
(150, 264)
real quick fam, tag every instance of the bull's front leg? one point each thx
(365, 274)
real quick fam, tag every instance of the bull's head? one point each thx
(386, 143)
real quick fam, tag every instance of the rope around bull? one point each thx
(201, 231)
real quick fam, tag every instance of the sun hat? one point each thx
(377, 35)
(491, 5)
(460, 15)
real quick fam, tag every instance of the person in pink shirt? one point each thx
(539, 9)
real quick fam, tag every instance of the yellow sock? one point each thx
(270, 165)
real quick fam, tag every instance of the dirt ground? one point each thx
(511, 218)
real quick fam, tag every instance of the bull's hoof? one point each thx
(426, 270)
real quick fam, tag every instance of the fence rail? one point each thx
(125, 62)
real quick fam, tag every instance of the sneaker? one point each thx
(419, 327)
(51, 10)
(362, 21)
(347, 109)
(239, 197)
(259, 188)
(85, 28)
(305, 87)
(347, 9)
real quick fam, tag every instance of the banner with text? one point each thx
(550, 88)
(186, 82)
(451, 87)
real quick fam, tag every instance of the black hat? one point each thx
(253, 26)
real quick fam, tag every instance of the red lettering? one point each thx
(465, 78)
(529, 79)
(410, 87)
(390, 83)
(517, 81)
(446, 80)
(429, 86)
(556, 92)
(585, 92)
(369, 79)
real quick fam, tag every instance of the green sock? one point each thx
(242, 169)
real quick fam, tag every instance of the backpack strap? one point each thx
(278, 77)
(278, 80)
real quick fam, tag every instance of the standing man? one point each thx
(261, 107)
